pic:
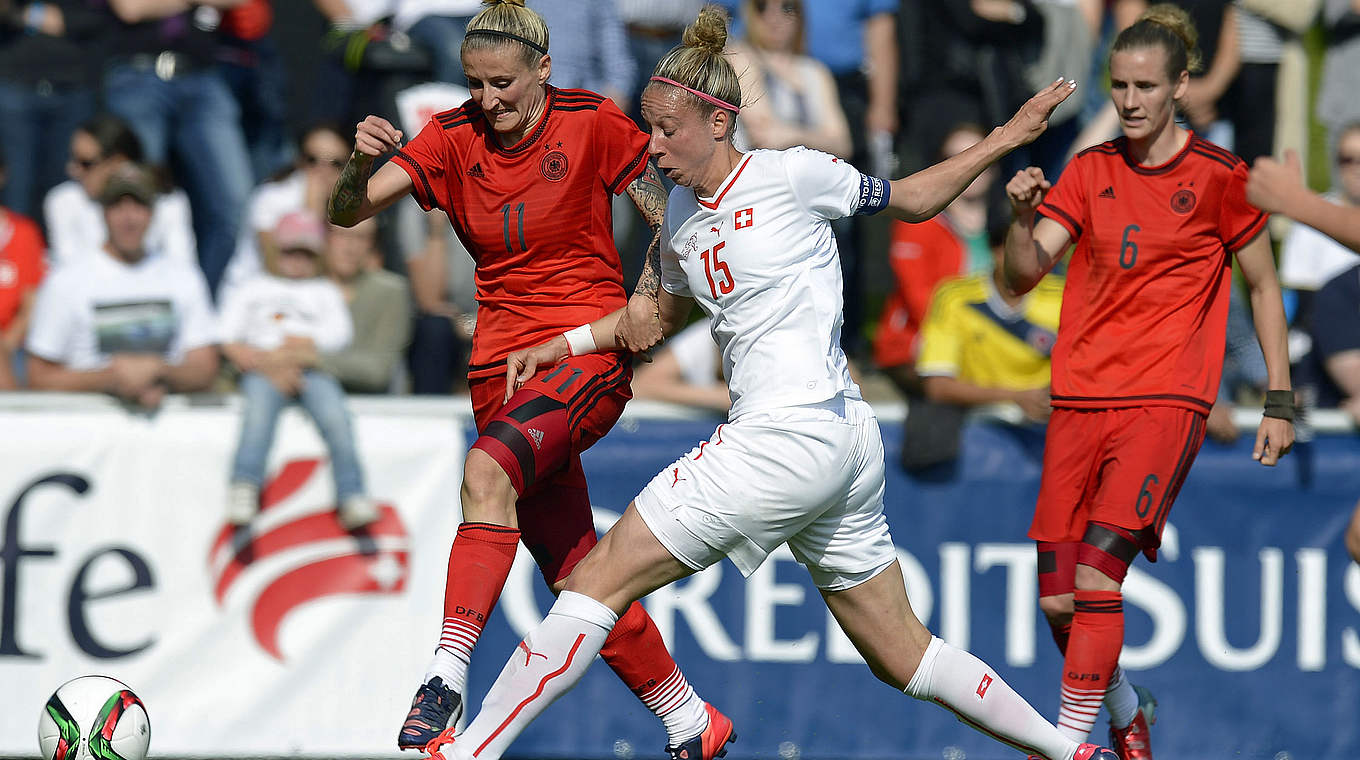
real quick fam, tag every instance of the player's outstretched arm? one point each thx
(1278, 187)
(920, 196)
(1275, 435)
(356, 196)
(1033, 244)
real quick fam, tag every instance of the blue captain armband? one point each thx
(873, 194)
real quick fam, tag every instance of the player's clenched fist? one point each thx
(375, 136)
(1026, 190)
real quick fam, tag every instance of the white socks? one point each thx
(680, 709)
(1121, 700)
(547, 663)
(456, 641)
(974, 692)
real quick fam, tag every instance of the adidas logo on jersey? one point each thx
(537, 435)
(1108, 192)
(476, 171)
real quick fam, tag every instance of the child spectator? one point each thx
(21, 269)
(321, 152)
(119, 320)
(274, 328)
(379, 308)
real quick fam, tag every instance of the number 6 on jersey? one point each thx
(712, 263)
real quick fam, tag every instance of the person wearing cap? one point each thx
(120, 321)
(275, 327)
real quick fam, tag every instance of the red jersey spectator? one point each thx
(921, 255)
(527, 173)
(21, 269)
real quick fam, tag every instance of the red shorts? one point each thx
(1121, 467)
(538, 437)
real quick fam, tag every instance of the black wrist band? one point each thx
(1280, 405)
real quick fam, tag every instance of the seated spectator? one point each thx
(322, 151)
(951, 244)
(686, 370)
(1333, 365)
(1309, 258)
(379, 308)
(119, 320)
(21, 269)
(982, 345)
(442, 336)
(1353, 535)
(788, 97)
(71, 210)
(274, 329)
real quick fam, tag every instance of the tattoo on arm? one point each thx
(350, 191)
(649, 195)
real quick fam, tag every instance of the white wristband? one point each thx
(580, 340)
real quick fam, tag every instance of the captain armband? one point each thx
(873, 194)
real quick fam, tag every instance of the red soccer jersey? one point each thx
(1146, 303)
(535, 217)
(21, 263)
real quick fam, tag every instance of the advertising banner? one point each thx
(293, 638)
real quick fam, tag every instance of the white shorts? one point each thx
(809, 476)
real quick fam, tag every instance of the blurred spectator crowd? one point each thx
(167, 164)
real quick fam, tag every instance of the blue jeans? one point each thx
(324, 400)
(38, 126)
(194, 117)
(442, 38)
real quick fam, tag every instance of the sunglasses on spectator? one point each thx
(787, 6)
(334, 163)
(1347, 160)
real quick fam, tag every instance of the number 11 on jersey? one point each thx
(712, 263)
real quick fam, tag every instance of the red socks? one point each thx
(478, 565)
(1097, 635)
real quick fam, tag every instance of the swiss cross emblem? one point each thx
(983, 684)
(744, 218)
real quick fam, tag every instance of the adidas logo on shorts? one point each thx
(537, 435)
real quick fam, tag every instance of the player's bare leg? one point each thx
(479, 562)
(900, 651)
(1132, 708)
(628, 563)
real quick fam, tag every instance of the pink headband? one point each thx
(719, 102)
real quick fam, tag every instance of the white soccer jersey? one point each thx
(761, 260)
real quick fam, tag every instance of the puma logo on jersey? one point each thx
(1108, 192)
(476, 171)
(716, 230)
(537, 435)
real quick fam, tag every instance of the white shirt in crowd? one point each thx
(267, 309)
(269, 203)
(761, 261)
(696, 354)
(97, 306)
(1309, 259)
(75, 225)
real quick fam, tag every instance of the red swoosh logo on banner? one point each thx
(305, 530)
(353, 573)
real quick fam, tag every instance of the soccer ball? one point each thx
(94, 718)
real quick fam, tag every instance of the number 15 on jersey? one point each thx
(712, 264)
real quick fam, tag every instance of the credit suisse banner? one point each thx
(295, 639)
